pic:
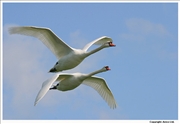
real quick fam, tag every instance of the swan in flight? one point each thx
(67, 56)
(71, 81)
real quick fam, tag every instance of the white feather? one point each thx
(67, 56)
(102, 88)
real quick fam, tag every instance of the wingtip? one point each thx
(10, 30)
(35, 103)
(13, 30)
(113, 106)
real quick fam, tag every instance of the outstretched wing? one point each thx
(47, 84)
(45, 87)
(98, 41)
(55, 44)
(101, 87)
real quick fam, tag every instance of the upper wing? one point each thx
(55, 44)
(46, 85)
(98, 41)
(101, 87)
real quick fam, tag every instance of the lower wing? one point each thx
(102, 88)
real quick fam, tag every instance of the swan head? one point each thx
(109, 44)
(106, 68)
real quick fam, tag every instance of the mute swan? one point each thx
(67, 56)
(71, 81)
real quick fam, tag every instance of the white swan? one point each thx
(71, 81)
(67, 56)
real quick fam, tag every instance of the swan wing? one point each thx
(46, 85)
(102, 88)
(55, 44)
(98, 41)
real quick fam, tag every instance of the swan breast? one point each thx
(70, 61)
(70, 83)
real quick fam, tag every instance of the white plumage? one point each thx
(67, 56)
(71, 81)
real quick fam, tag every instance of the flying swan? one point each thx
(67, 56)
(71, 81)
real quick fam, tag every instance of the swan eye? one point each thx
(56, 63)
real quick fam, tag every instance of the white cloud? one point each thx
(144, 36)
(139, 29)
(22, 71)
(145, 27)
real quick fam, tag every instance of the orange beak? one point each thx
(111, 44)
(107, 68)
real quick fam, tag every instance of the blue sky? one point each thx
(144, 66)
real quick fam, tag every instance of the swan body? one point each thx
(67, 56)
(69, 61)
(71, 81)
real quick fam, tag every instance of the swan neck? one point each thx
(94, 51)
(95, 72)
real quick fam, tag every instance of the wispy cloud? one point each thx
(145, 27)
(145, 36)
(139, 29)
(22, 72)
